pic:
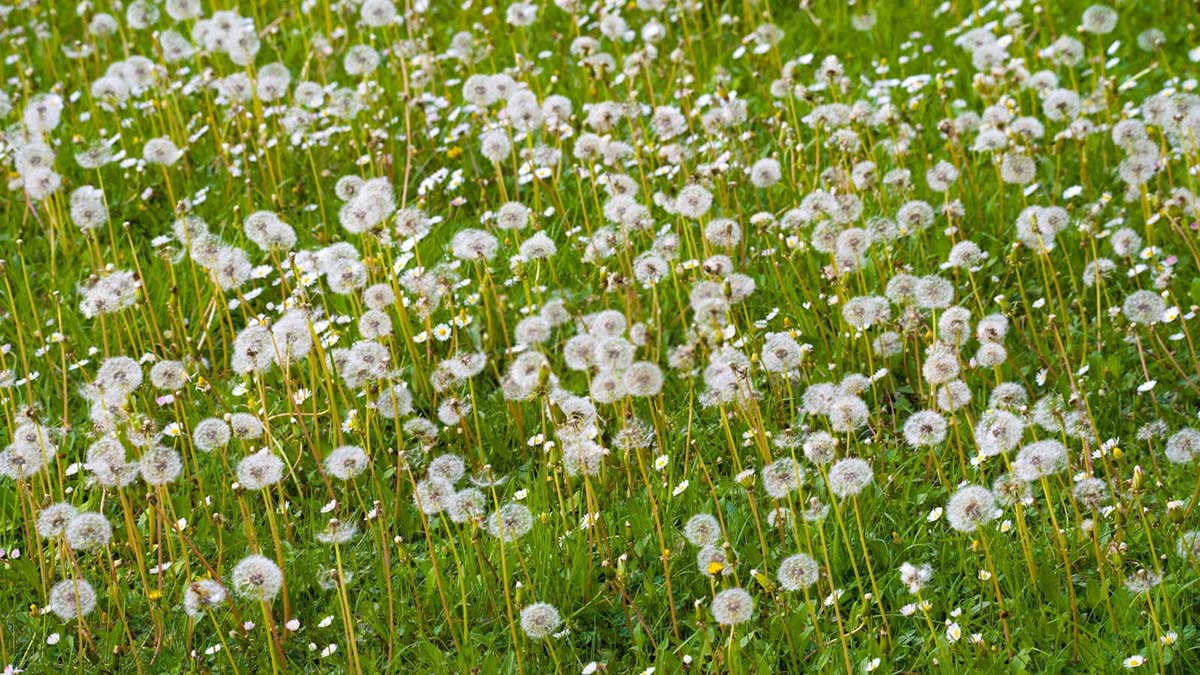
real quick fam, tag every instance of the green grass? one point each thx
(424, 594)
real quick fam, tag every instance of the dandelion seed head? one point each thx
(259, 470)
(702, 529)
(970, 507)
(257, 577)
(202, 595)
(510, 522)
(848, 476)
(72, 599)
(88, 531)
(52, 521)
(797, 572)
(210, 434)
(732, 606)
(539, 620)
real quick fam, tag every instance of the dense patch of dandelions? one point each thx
(438, 312)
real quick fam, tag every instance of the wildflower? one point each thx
(970, 507)
(1009, 489)
(466, 505)
(1090, 492)
(765, 173)
(1040, 459)
(260, 470)
(712, 560)
(168, 375)
(245, 426)
(1141, 581)
(161, 151)
(732, 606)
(432, 493)
(210, 434)
(87, 531)
(337, 532)
(1134, 661)
(797, 572)
(915, 577)
(925, 428)
(394, 402)
(72, 599)
(539, 620)
(847, 413)
(346, 462)
(848, 476)
(932, 292)
(1144, 307)
(52, 521)
(448, 466)
(702, 529)
(88, 210)
(510, 522)
(160, 465)
(200, 596)
(1098, 19)
(257, 577)
(998, 431)
(782, 477)
(693, 201)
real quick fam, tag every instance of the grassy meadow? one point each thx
(427, 336)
